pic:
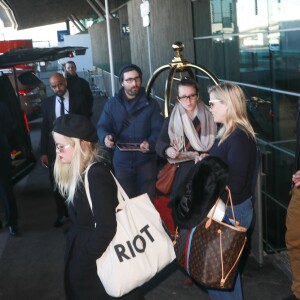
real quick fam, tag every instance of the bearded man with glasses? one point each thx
(129, 126)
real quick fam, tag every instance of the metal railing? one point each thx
(272, 196)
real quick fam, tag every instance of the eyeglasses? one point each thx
(131, 80)
(186, 98)
(212, 102)
(61, 148)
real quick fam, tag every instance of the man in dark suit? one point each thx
(62, 102)
(77, 84)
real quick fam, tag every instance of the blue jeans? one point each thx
(243, 213)
(138, 180)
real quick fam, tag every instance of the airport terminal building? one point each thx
(254, 43)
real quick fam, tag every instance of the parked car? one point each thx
(23, 158)
(29, 89)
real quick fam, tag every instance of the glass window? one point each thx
(286, 61)
(254, 58)
(284, 12)
(252, 15)
(210, 54)
(272, 115)
(255, 43)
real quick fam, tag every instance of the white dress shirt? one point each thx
(66, 104)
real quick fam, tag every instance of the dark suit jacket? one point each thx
(80, 87)
(76, 106)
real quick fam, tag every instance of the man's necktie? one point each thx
(62, 106)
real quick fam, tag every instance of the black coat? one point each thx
(80, 87)
(205, 182)
(85, 242)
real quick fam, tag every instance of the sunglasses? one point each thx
(211, 103)
(61, 148)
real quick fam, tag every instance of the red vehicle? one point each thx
(28, 87)
(13, 44)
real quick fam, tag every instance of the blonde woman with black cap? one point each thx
(76, 150)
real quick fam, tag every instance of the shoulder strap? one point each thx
(87, 189)
(122, 196)
(87, 186)
(127, 122)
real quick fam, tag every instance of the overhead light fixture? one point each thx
(145, 10)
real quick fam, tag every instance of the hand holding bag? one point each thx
(166, 175)
(140, 248)
(210, 252)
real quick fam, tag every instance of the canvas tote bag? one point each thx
(140, 248)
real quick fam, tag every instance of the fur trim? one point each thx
(204, 184)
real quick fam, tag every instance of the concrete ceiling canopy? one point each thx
(33, 13)
(7, 16)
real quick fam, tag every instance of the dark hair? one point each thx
(70, 62)
(128, 68)
(188, 82)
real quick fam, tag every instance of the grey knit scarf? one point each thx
(181, 125)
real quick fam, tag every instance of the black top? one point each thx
(238, 151)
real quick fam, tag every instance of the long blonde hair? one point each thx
(233, 96)
(69, 176)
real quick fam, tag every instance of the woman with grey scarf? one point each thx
(188, 132)
(187, 135)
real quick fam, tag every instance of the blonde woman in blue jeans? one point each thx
(236, 145)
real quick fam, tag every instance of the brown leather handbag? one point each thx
(165, 178)
(210, 252)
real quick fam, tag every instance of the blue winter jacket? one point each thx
(144, 126)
